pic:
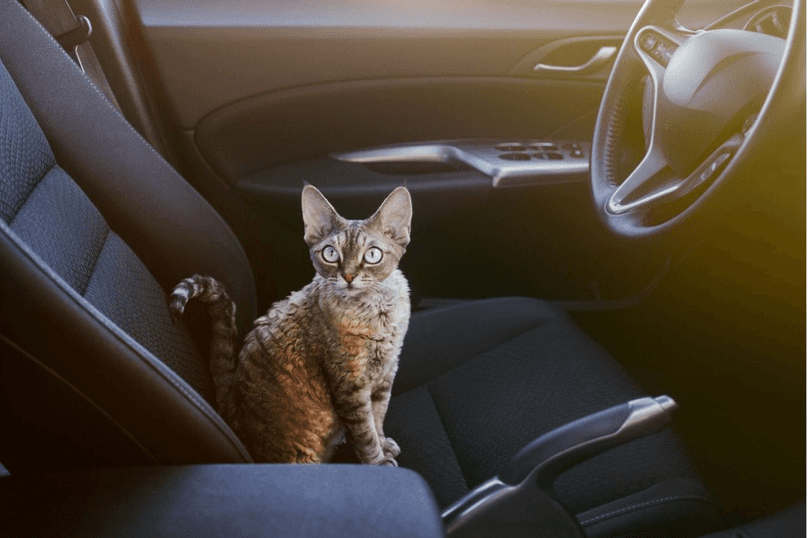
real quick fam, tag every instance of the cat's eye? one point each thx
(330, 254)
(373, 255)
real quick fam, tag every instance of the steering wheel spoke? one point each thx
(653, 183)
(643, 187)
(710, 168)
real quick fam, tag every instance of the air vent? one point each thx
(773, 20)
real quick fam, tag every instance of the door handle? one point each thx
(601, 58)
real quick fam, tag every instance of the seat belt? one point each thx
(73, 34)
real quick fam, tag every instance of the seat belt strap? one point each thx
(72, 33)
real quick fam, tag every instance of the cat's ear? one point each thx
(394, 216)
(319, 216)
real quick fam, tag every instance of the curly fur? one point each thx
(319, 365)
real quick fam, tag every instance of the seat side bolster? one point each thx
(50, 321)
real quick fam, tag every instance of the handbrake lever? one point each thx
(514, 498)
(552, 453)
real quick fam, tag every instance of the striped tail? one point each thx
(224, 335)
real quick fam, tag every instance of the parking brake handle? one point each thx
(552, 453)
(514, 502)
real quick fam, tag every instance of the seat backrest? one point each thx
(95, 227)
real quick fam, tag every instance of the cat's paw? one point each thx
(390, 448)
(383, 458)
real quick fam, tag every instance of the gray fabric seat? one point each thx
(480, 379)
(95, 227)
(476, 412)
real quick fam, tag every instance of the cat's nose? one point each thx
(348, 277)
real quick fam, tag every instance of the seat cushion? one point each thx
(480, 379)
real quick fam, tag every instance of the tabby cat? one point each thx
(320, 364)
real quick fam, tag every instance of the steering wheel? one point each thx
(709, 105)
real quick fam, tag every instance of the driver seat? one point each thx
(94, 228)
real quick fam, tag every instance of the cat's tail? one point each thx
(224, 334)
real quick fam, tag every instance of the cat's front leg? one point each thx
(380, 400)
(356, 415)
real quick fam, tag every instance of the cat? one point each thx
(319, 366)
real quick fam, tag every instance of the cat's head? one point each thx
(353, 255)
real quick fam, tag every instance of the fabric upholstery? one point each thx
(127, 293)
(48, 211)
(474, 414)
(171, 228)
(215, 501)
(61, 225)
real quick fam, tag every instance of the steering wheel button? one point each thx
(721, 160)
(714, 166)
(705, 175)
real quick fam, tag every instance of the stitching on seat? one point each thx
(51, 168)
(646, 504)
(48, 170)
(86, 285)
(92, 84)
(448, 438)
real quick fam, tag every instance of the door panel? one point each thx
(309, 121)
(268, 90)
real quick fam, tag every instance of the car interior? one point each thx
(607, 260)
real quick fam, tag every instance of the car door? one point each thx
(262, 96)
